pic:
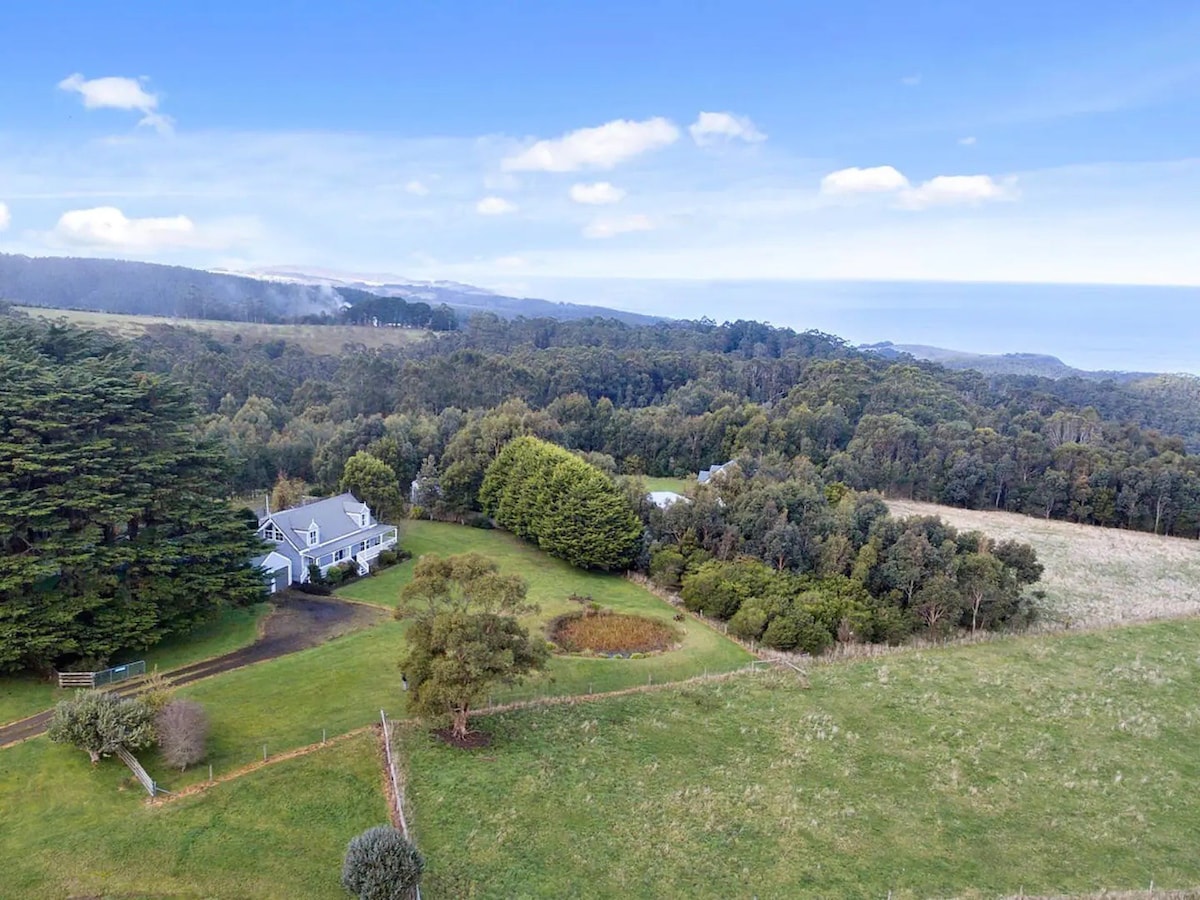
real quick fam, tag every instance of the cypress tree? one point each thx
(543, 493)
(113, 533)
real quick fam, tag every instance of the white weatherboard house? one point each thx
(328, 533)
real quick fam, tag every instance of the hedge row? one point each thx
(571, 509)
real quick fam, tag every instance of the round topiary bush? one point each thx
(382, 865)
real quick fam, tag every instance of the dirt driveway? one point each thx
(297, 622)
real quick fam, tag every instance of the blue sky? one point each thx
(522, 145)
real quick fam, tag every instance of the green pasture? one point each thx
(1042, 765)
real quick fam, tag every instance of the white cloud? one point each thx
(711, 127)
(416, 188)
(911, 80)
(949, 190)
(495, 206)
(107, 226)
(602, 147)
(511, 262)
(606, 228)
(861, 181)
(599, 194)
(5, 217)
(967, 141)
(115, 92)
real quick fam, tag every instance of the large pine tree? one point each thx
(113, 532)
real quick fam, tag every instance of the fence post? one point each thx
(264, 752)
(210, 778)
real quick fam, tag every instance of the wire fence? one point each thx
(397, 782)
(553, 692)
(231, 761)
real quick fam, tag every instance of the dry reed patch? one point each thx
(611, 633)
(1094, 575)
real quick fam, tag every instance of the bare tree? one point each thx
(182, 732)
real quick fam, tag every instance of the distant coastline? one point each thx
(1098, 327)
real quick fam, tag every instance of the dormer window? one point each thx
(314, 534)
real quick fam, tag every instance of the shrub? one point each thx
(157, 691)
(381, 864)
(479, 520)
(315, 575)
(387, 558)
(417, 512)
(797, 630)
(182, 727)
(749, 622)
(317, 590)
(667, 566)
(102, 723)
(342, 573)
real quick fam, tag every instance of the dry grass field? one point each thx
(1094, 576)
(314, 338)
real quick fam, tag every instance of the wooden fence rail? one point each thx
(76, 679)
(104, 677)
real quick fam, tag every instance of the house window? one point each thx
(339, 555)
(312, 537)
(271, 533)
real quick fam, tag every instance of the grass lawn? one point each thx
(327, 339)
(70, 830)
(1062, 763)
(551, 583)
(1093, 575)
(236, 628)
(285, 836)
(678, 485)
(285, 703)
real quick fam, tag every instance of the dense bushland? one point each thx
(671, 398)
(799, 564)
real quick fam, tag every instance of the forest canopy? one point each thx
(672, 398)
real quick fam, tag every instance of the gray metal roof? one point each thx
(336, 518)
(705, 475)
(348, 540)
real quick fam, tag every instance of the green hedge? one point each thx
(571, 509)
